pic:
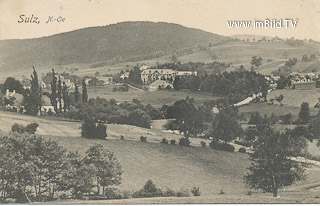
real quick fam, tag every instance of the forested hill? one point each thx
(102, 43)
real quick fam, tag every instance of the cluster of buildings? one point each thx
(297, 78)
(149, 75)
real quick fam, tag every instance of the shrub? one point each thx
(183, 193)
(203, 144)
(63, 196)
(111, 193)
(143, 139)
(18, 128)
(148, 190)
(221, 146)
(222, 192)
(195, 191)
(164, 141)
(101, 131)
(184, 141)
(169, 193)
(50, 112)
(126, 194)
(242, 150)
(122, 137)
(31, 128)
(173, 141)
(90, 130)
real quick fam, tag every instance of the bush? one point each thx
(90, 130)
(111, 193)
(164, 141)
(143, 139)
(221, 146)
(122, 137)
(31, 128)
(148, 190)
(18, 128)
(169, 193)
(173, 141)
(184, 141)
(50, 112)
(242, 150)
(203, 144)
(222, 192)
(195, 191)
(183, 193)
(101, 131)
(63, 196)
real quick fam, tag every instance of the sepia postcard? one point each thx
(159, 101)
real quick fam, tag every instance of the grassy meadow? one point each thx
(170, 166)
(155, 98)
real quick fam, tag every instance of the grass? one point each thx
(169, 166)
(156, 98)
(295, 97)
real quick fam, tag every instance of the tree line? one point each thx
(110, 111)
(236, 86)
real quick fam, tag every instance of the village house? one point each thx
(124, 76)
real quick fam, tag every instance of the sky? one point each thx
(208, 15)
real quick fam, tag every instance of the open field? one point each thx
(295, 97)
(170, 166)
(156, 98)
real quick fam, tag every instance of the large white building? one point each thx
(150, 75)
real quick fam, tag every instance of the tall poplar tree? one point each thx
(53, 95)
(84, 92)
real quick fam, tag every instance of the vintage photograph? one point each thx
(159, 101)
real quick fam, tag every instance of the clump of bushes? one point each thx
(111, 193)
(184, 141)
(183, 193)
(164, 141)
(221, 146)
(195, 191)
(92, 129)
(242, 150)
(30, 128)
(173, 142)
(151, 190)
(143, 139)
(203, 144)
(148, 190)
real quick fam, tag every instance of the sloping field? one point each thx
(171, 166)
(294, 97)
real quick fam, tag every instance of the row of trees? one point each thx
(198, 120)
(60, 97)
(34, 168)
(234, 85)
(100, 109)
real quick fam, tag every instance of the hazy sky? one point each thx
(208, 15)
